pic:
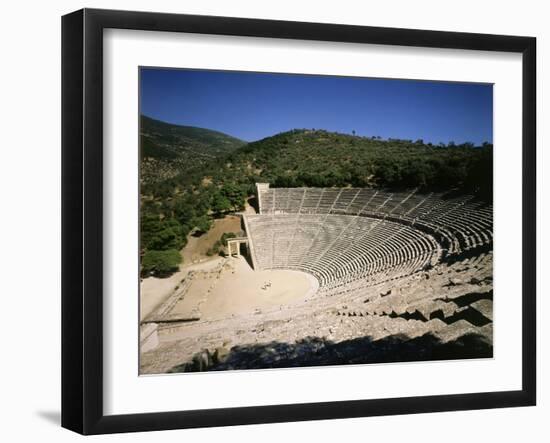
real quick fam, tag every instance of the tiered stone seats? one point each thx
(339, 249)
(448, 305)
(353, 238)
(459, 223)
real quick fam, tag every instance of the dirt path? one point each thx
(153, 291)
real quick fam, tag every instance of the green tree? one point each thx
(160, 263)
(234, 194)
(202, 223)
(183, 210)
(220, 203)
(162, 234)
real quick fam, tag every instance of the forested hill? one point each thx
(166, 149)
(321, 158)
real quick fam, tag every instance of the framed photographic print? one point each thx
(269, 221)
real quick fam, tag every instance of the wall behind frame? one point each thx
(30, 183)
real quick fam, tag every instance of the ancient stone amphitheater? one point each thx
(401, 276)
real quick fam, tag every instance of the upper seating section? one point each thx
(459, 223)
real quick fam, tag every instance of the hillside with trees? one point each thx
(167, 150)
(324, 159)
(206, 174)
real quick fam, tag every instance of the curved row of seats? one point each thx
(339, 249)
(459, 223)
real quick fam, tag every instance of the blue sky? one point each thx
(252, 106)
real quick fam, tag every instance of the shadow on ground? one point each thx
(53, 417)
(315, 351)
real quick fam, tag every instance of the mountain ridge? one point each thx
(319, 158)
(149, 122)
(167, 150)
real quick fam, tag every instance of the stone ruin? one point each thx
(402, 276)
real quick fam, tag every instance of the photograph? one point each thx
(291, 220)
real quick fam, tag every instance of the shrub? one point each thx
(160, 263)
(202, 223)
(225, 236)
(159, 235)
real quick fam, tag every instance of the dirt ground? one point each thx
(245, 291)
(239, 290)
(196, 247)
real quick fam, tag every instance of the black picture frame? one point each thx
(82, 219)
